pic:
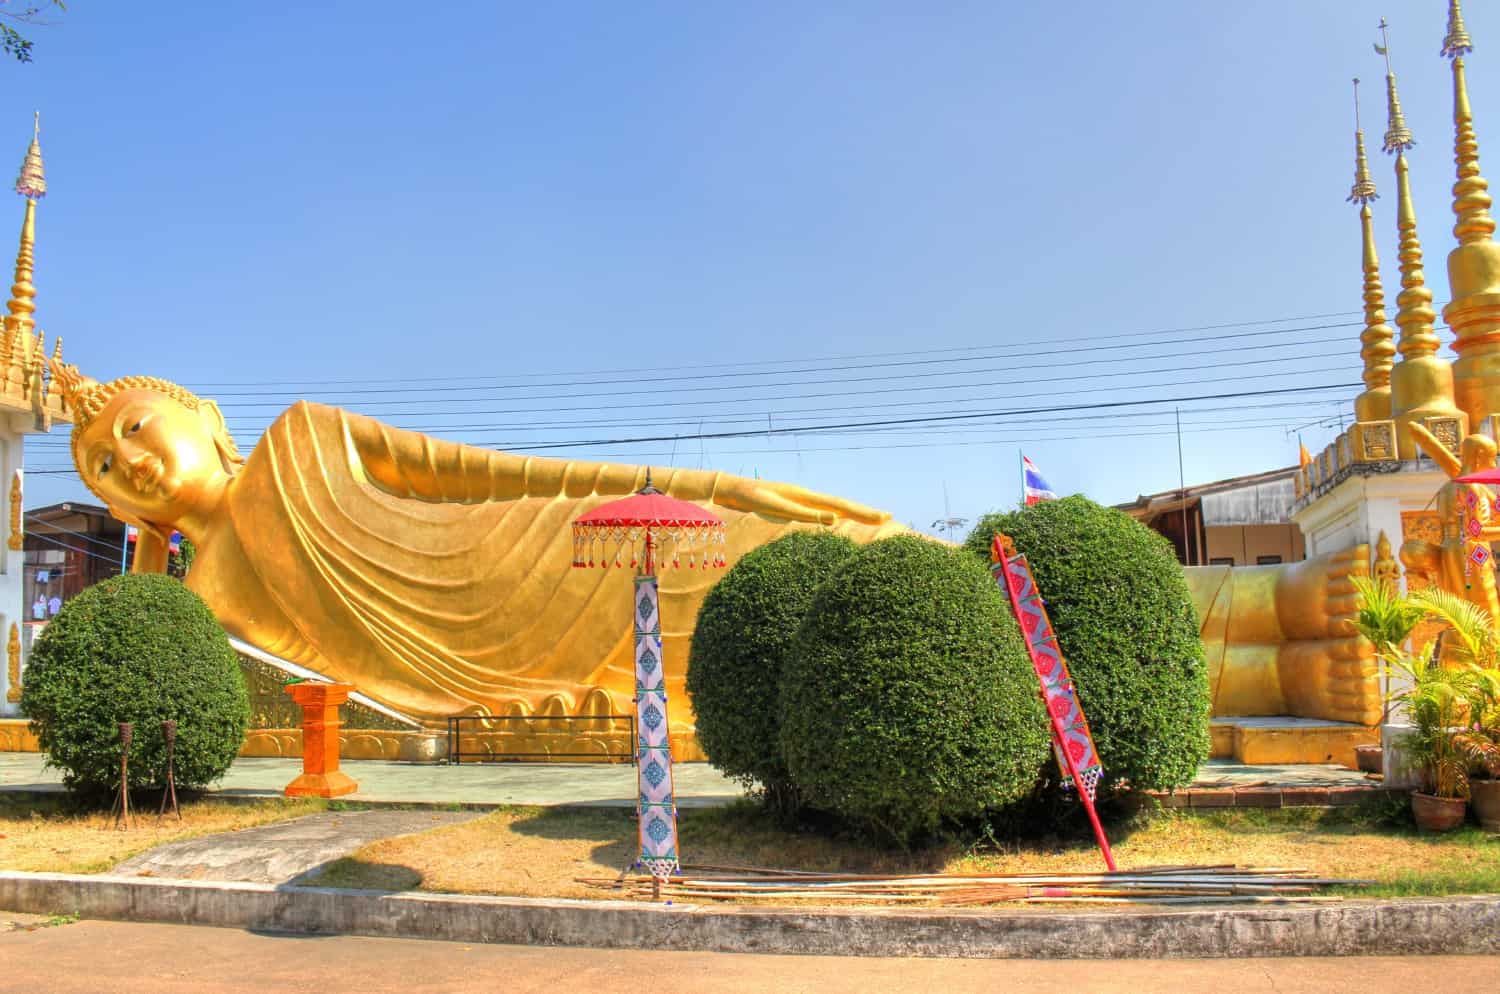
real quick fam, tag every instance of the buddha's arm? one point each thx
(1436, 451)
(151, 552)
(410, 464)
(152, 546)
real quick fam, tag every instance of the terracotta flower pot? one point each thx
(1485, 796)
(1437, 814)
(1368, 758)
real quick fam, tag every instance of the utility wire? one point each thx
(936, 418)
(83, 535)
(836, 358)
(930, 419)
(70, 548)
(649, 388)
(1020, 352)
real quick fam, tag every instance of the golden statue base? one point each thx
(1278, 740)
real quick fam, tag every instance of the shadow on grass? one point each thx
(351, 873)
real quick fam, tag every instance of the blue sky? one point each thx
(487, 206)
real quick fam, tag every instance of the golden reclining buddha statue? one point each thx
(437, 577)
(434, 576)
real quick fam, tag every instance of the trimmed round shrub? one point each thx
(139, 648)
(909, 699)
(1119, 603)
(740, 648)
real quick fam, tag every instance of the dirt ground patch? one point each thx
(541, 852)
(47, 836)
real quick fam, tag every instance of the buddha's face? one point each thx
(151, 457)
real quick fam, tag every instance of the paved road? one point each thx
(179, 959)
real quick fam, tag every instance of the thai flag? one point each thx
(132, 533)
(1037, 489)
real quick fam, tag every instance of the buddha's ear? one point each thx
(213, 420)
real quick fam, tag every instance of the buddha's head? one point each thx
(156, 453)
(1476, 452)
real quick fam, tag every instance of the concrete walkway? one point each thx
(475, 784)
(281, 853)
(583, 784)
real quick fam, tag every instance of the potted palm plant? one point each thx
(1437, 694)
(1477, 739)
(1479, 743)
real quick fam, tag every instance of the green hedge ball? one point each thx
(139, 649)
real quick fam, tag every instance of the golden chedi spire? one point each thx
(1421, 383)
(1377, 349)
(1474, 266)
(31, 184)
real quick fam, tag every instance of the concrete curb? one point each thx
(1461, 925)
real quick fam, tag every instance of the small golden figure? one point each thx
(1462, 562)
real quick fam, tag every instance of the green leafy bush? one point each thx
(908, 697)
(138, 648)
(740, 649)
(1120, 605)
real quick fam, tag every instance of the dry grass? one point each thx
(541, 852)
(46, 836)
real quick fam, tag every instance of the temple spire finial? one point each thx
(1456, 43)
(31, 184)
(1397, 134)
(1363, 190)
(1376, 341)
(1471, 197)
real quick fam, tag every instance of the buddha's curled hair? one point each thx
(86, 398)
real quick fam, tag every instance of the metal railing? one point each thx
(456, 755)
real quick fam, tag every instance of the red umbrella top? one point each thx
(1491, 476)
(646, 518)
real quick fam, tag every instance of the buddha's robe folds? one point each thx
(437, 577)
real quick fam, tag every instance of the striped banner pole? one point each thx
(1077, 759)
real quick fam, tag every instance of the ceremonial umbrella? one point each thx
(640, 524)
(1490, 476)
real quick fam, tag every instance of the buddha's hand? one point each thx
(1326, 669)
(793, 503)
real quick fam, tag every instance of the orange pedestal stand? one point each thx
(321, 776)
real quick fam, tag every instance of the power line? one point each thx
(70, 548)
(651, 390)
(83, 535)
(931, 419)
(1019, 352)
(836, 358)
(741, 417)
(936, 418)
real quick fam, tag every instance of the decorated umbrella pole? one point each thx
(637, 531)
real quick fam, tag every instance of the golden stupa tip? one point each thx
(1457, 41)
(1397, 134)
(32, 183)
(1363, 190)
(1471, 198)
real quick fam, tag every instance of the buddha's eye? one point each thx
(104, 465)
(134, 428)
